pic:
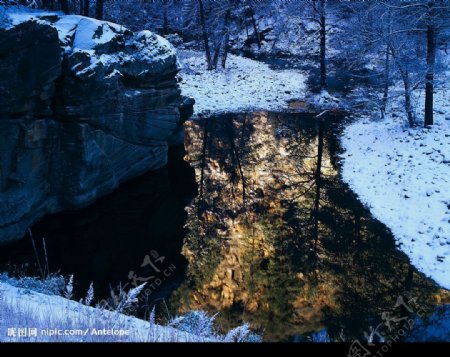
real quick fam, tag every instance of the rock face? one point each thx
(84, 106)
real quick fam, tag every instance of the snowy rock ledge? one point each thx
(243, 85)
(403, 176)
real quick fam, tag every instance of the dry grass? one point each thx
(20, 308)
(23, 308)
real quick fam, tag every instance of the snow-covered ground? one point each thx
(244, 85)
(34, 310)
(403, 176)
(22, 308)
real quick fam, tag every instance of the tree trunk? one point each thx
(409, 278)
(246, 27)
(86, 7)
(224, 38)
(318, 179)
(48, 4)
(386, 79)
(81, 7)
(215, 59)
(99, 9)
(431, 58)
(387, 69)
(408, 108)
(255, 28)
(64, 4)
(165, 20)
(236, 158)
(357, 229)
(323, 46)
(205, 35)
(226, 49)
(203, 164)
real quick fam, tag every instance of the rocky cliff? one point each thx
(84, 106)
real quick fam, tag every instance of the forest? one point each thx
(378, 40)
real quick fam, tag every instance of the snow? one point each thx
(87, 33)
(323, 101)
(66, 27)
(23, 307)
(114, 73)
(245, 84)
(83, 34)
(58, 311)
(20, 15)
(91, 33)
(153, 46)
(403, 176)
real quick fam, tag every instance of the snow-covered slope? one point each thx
(23, 308)
(403, 176)
(245, 84)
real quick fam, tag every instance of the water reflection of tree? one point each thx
(373, 274)
(277, 239)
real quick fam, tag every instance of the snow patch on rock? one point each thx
(102, 42)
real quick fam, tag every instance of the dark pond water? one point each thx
(108, 242)
(256, 224)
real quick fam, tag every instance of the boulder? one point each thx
(84, 106)
(30, 63)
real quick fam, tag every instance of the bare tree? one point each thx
(323, 44)
(318, 183)
(223, 38)
(431, 59)
(250, 13)
(165, 18)
(99, 6)
(205, 35)
(387, 68)
(437, 14)
(419, 18)
(319, 10)
(86, 5)
(48, 4)
(64, 5)
(226, 41)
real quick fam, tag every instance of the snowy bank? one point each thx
(244, 85)
(403, 176)
(33, 310)
(22, 308)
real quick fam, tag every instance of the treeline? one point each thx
(399, 39)
(93, 8)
